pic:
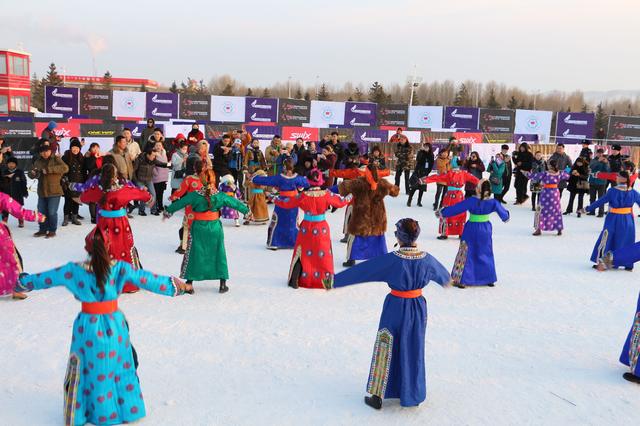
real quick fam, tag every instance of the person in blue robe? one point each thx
(283, 228)
(619, 228)
(397, 366)
(631, 351)
(474, 264)
(101, 384)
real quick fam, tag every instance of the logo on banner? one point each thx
(136, 131)
(568, 120)
(355, 110)
(254, 117)
(194, 102)
(365, 138)
(327, 114)
(303, 135)
(62, 132)
(60, 108)
(288, 107)
(55, 93)
(95, 97)
(228, 108)
(567, 134)
(620, 125)
(533, 123)
(155, 100)
(426, 118)
(355, 122)
(129, 103)
(455, 114)
(155, 112)
(255, 104)
(256, 134)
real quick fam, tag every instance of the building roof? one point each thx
(114, 80)
(19, 52)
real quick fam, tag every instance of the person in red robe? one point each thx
(312, 261)
(455, 179)
(191, 183)
(112, 199)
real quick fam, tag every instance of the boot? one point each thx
(349, 263)
(190, 291)
(559, 232)
(537, 232)
(237, 222)
(295, 275)
(435, 206)
(344, 240)
(74, 220)
(65, 221)
(420, 200)
(460, 285)
(373, 401)
(223, 286)
(442, 237)
(79, 217)
(180, 250)
(21, 223)
(631, 378)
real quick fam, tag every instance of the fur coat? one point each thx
(369, 215)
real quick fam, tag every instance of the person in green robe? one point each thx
(205, 257)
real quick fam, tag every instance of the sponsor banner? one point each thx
(290, 134)
(461, 118)
(216, 131)
(360, 114)
(344, 135)
(525, 138)
(171, 130)
(99, 130)
(162, 106)
(324, 113)
(96, 103)
(61, 100)
(137, 128)
(228, 109)
(293, 112)
(64, 129)
(574, 127)
(414, 136)
(532, 122)
(393, 115)
(487, 151)
(16, 129)
(195, 107)
(129, 104)
(438, 146)
(493, 120)
(435, 137)
(369, 136)
(261, 110)
(21, 150)
(497, 138)
(426, 117)
(262, 132)
(468, 137)
(624, 128)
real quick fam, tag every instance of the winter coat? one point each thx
(145, 135)
(271, 155)
(144, 168)
(49, 184)
(369, 215)
(583, 176)
(562, 161)
(327, 163)
(254, 160)
(338, 149)
(50, 135)
(351, 157)
(404, 156)
(91, 165)
(597, 166)
(424, 161)
(496, 174)
(475, 171)
(123, 162)
(178, 166)
(442, 166)
(615, 163)
(161, 173)
(235, 158)
(134, 149)
(379, 162)
(76, 173)
(525, 159)
(284, 157)
(16, 184)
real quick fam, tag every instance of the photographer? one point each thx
(48, 169)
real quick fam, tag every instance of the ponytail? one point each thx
(100, 260)
(485, 189)
(106, 180)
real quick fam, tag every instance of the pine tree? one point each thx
(174, 87)
(143, 88)
(530, 106)
(37, 93)
(377, 93)
(358, 95)
(585, 108)
(521, 105)
(629, 110)
(52, 78)
(298, 94)
(492, 102)
(513, 103)
(106, 81)
(462, 96)
(202, 89)
(228, 91)
(266, 93)
(602, 119)
(323, 93)
(249, 92)
(307, 96)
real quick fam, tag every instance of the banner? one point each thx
(129, 104)
(228, 109)
(624, 128)
(162, 106)
(414, 136)
(261, 110)
(293, 112)
(500, 138)
(531, 122)
(96, 103)
(21, 150)
(364, 137)
(461, 118)
(360, 114)
(344, 135)
(487, 151)
(425, 117)
(11, 129)
(262, 132)
(525, 138)
(65, 129)
(574, 127)
(324, 113)
(216, 131)
(395, 115)
(99, 130)
(464, 137)
(195, 107)
(494, 120)
(290, 134)
(61, 100)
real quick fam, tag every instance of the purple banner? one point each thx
(162, 106)
(524, 138)
(136, 128)
(461, 118)
(264, 133)
(61, 100)
(261, 110)
(364, 137)
(574, 127)
(360, 114)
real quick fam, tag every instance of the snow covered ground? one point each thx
(541, 347)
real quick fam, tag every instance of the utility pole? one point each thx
(414, 82)
(289, 86)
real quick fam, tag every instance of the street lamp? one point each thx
(414, 82)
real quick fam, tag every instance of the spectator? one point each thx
(122, 159)
(327, 161)
(537, 166)
(133, 148)
(179, 165)
(443, 165)
(236, 158)
(475, 166)
(254, 158)
(404, 157)
(74, 160)
(601, 134)
(597, 187)
(454, 148)
(351, 155)
(221, 157)
(615, 159)
(145, 163)
(398, 137)
(563, 164)
(91, 167)
(202, 153)
(377, 159)
(508, 172)
(271, 154)
(523, 160)
(424, 165)
(16, 185)
(326, 139)
(50, 135)
(298, 148)
(578, 184)
(195, 134)
(286, 153)
(160, 175)
(496, 169)
(586, 152)
(338, 149)
(48, 169)
(147, 132)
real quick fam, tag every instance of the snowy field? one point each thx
(541, 348)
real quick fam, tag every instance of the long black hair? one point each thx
(625, 174)
(485, 190)
(100, 260)
(107, 175)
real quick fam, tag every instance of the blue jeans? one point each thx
(48, 206)
(152, 191)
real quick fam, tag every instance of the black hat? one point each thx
(616, 147)
(75, 142)
(504, 147)
(45, 147)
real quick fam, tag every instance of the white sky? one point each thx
(534, 44)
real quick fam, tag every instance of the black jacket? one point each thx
(221, 161)
(16, 184)
(75, 163)
(525, 159)
(424, 161)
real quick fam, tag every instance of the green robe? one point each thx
(205, 258)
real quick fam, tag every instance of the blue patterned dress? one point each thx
(101, 385)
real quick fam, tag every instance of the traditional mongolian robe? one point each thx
(10, 260)
(205, 258)
(398, 368)
(631, 351)
(257, 201)
(549, 215)
(189, 184)
(456, 181)
(613, 176)
(283, 228)
(101, 384)
(234, 192)
(619, 227)
(312, 261)
(113, 221)
(474, 264)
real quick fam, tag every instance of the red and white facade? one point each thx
(117, 83)
(15, 87)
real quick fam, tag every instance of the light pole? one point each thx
(289, 86)
(317, 80)
(414, 82)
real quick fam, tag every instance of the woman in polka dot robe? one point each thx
(101, 384)
(549, 218)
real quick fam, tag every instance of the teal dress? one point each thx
(101, 384)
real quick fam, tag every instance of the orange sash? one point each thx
(206, 216)
(550, 185)
(288, 193)
(409, 294)
(100, 308)
(621, 210)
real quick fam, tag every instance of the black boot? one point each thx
(442, 237)
(295, 275)
(420, 199)
(74, 220)
(373, 401)
(631, 377)
(190, 282)
(349, 263)
(345, 239)
(180, 250)
(65, 220)
(223, 286)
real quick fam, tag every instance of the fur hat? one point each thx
(315, 178)
(259, 172)
(228, 179)
(407, 231)
(75, 142)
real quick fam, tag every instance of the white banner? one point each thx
(129, 104)
(530, 122)
(426, 117)
(488, 150)
(228, 108)
(412, 135)
(171, 129)
(324, 113)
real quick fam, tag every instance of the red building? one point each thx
(15, 87)
(117, 83)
